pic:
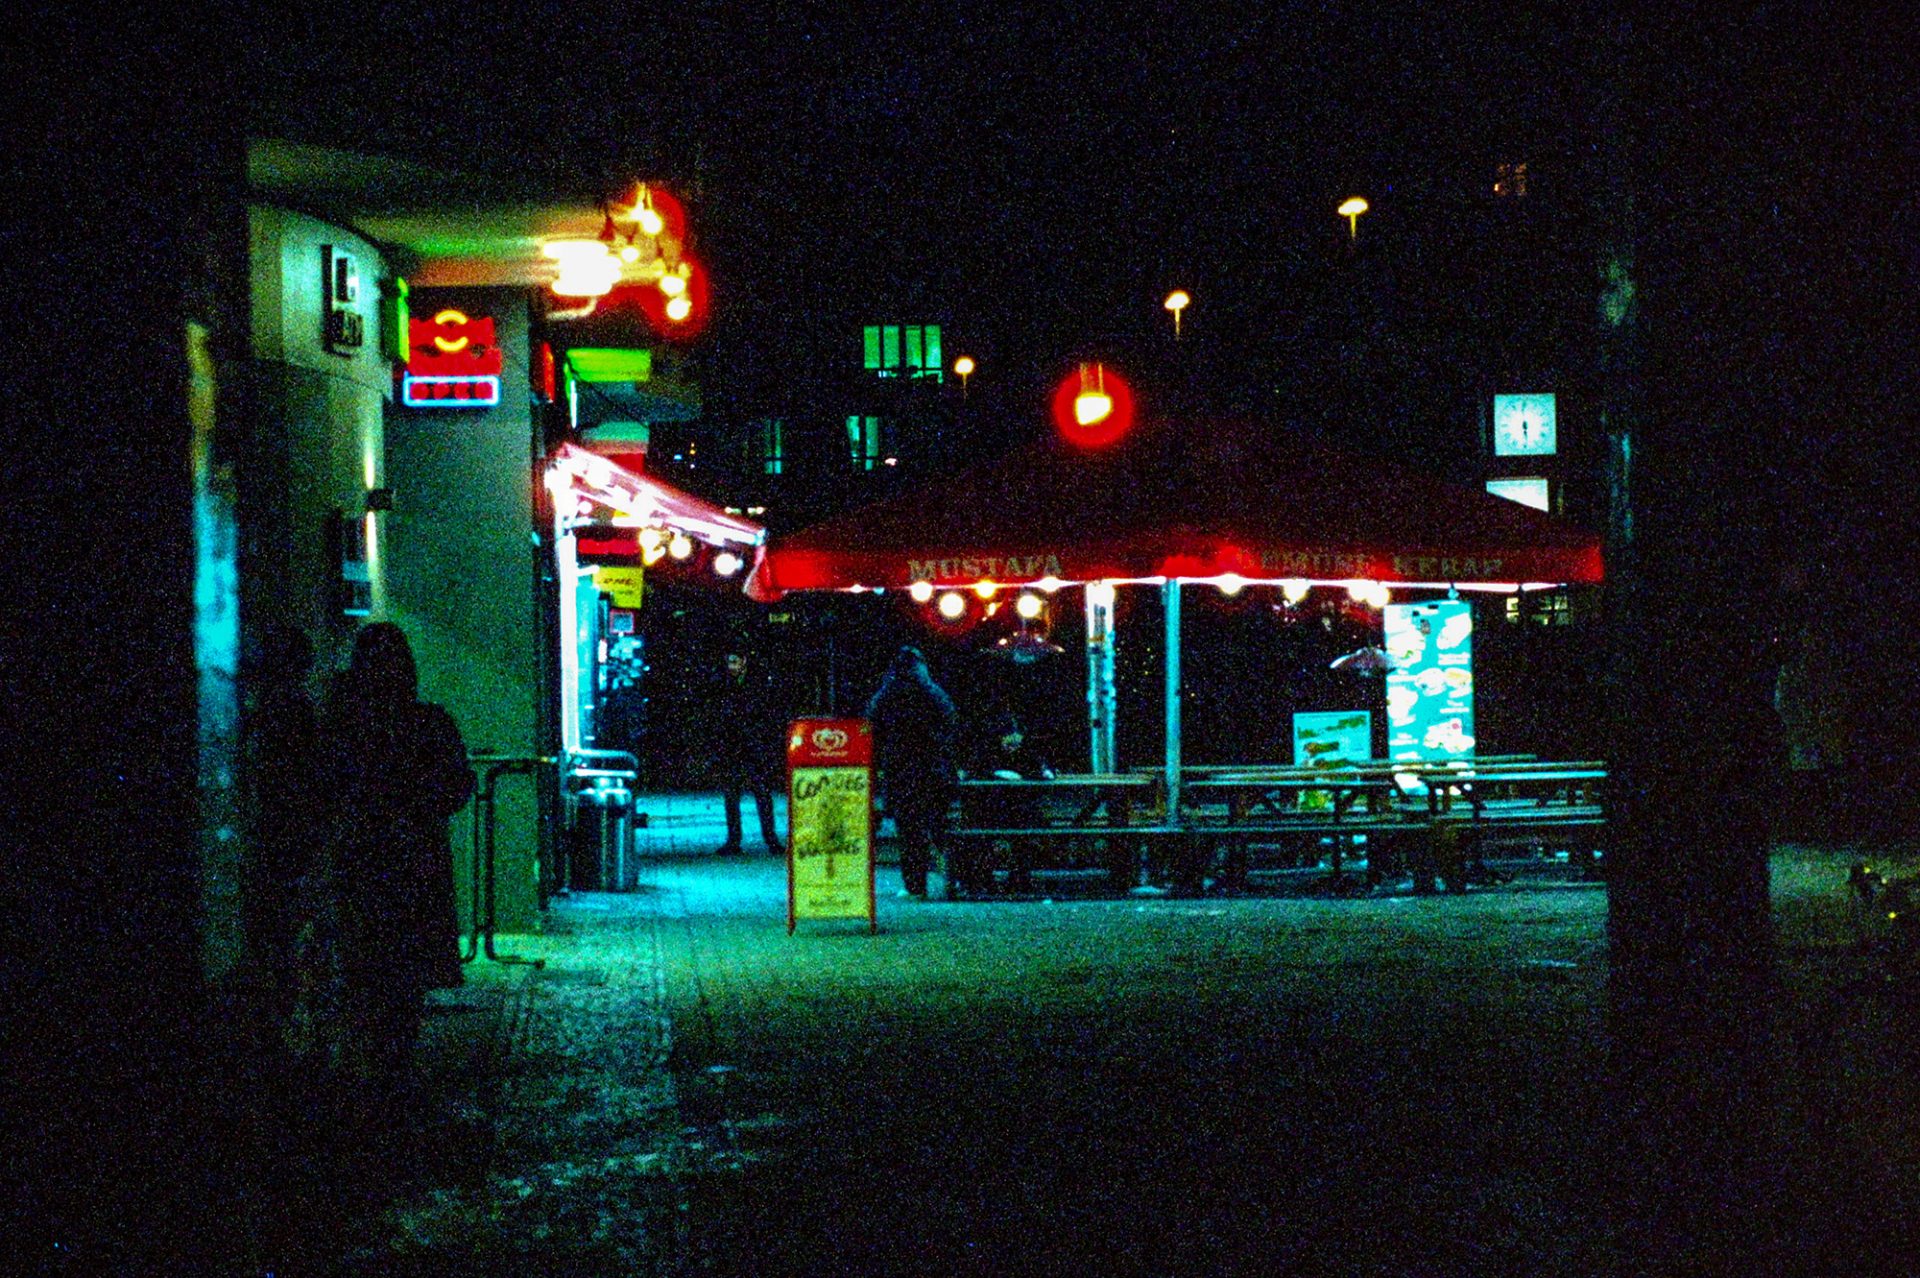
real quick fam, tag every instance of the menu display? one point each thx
(1430, 688)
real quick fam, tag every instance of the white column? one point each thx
(1170, 594)
(1102, 701)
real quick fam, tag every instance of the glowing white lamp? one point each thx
(726, 563)
(920, 591)
(1029, 606)
(952, 605)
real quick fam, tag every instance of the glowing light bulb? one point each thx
(678, 308)
(1091, 406)
(964, 366)
(629, 253)
(1100, 594)
(952, 605)
(681, 546)
(1359, 591)
(1294, 589)
(1049, 584)
(985, 589)
(920, 591)
(726, 563)
(673, 285)
(1232, 584)
(1029, 606)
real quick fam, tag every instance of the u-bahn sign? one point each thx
(830, 821)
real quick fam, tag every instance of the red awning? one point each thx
(1260, 503)
(639, 499)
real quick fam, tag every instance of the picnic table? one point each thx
(1435, 811)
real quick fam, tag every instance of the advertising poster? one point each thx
(1323, 738)
(1327, 739)
(830, 821)
(1430, 688)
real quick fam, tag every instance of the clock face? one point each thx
(1523, 425)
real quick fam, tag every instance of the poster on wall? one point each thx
(830, 821)
(1430, 688)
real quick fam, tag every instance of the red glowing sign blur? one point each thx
(1093, 406)
(452, 344)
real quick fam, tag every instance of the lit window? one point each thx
(863, 441)
(873, 345)
(770, 444)
(935, 369)
(913, 347)
(890, 347)
(1510, 182)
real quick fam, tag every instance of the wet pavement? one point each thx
(1140, 1085)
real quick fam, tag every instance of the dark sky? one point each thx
(1040, 175)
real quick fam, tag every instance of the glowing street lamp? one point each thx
(1351, 209)
(952, 605)
(963, 368)
(1029, 606)
(1176, 302)
(920, 591)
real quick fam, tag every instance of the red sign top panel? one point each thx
(452, 344)
(826, 743)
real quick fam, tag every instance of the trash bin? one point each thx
(613, 814)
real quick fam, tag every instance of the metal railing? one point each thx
(485, 839)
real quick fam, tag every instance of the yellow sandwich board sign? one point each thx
(830, 821)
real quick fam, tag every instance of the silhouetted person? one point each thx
(748, 743)
(914, 731)
(396, 770)
(1005, 754)
(283, 738)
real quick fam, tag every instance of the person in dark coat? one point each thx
(748, 738)
(395, 771)
(1005, 753)
(915, 729)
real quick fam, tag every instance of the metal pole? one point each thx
(1170, 594)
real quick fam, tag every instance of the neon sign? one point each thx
(453, 361)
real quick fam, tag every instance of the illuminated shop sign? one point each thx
(1430, 688)
(453, 361)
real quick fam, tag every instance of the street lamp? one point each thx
(1176, 302)
(1351, 209)
(963, 368)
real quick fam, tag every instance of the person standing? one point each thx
(748, 733)
(394, 770)
(914, 735)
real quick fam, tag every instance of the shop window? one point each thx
(1510, 181)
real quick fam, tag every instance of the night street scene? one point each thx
(963, 640)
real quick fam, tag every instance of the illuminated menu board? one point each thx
(1430, 688)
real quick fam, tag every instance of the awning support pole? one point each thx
(1170, 594)
(1102, 701)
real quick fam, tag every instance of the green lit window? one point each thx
(770, 443)
(890, 347)
(873, 346)
(863, 441)
(913, 348)
(933, 366)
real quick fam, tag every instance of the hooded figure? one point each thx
(394, 771)
(914, 746)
